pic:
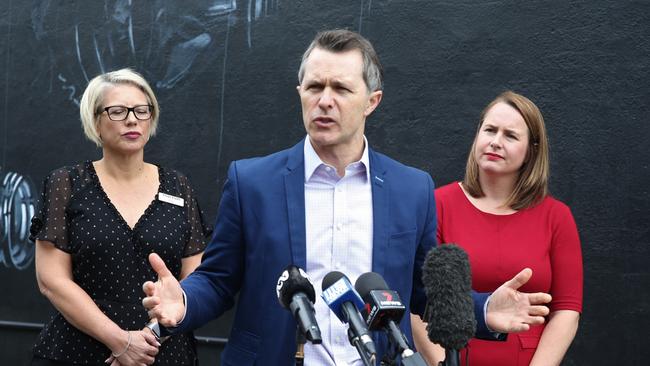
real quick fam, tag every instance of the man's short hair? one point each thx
(341, 40)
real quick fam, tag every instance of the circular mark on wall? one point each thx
(16, 211)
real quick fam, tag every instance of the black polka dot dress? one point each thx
(109, 259)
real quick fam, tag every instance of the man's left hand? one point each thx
(511, 311)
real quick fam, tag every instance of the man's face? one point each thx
(336, 101)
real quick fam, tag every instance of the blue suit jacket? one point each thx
(260, 229)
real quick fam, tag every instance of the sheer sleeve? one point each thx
(199, 231)
(51, 220)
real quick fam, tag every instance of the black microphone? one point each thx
(383, 311)
(297, 294)
(344, 301)
(447, 280)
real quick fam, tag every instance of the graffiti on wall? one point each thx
(163, 39)
(16, 210)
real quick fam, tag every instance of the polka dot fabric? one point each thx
(109, 259)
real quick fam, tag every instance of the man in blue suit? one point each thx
(328, 203)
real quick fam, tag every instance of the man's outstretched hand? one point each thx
(511, 311)
(164, 298)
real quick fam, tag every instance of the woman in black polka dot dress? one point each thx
(97, 223)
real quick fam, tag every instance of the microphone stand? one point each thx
(452, 358)
(300, 347)
(409, 358)
(413, 360)
(356, 342)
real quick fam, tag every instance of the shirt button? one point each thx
(338, 227)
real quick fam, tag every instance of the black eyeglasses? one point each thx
(121, 113)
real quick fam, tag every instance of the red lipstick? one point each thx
(493, 156)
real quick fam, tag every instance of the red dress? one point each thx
(543, 238)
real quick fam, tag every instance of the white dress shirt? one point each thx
(338, 223)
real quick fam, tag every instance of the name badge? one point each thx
(171, 199)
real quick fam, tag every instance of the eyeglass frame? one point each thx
(128, 110)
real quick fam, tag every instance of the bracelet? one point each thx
(128, 344)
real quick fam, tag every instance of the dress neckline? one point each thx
(478, 210)
(93, 173)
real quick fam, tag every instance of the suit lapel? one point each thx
(380, 212)
(294, 185)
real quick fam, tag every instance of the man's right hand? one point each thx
(164, 298)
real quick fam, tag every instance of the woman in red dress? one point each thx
(503, 216)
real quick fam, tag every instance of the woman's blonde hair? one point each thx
(532, 184)
(90, 107)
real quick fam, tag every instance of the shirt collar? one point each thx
(313, 161)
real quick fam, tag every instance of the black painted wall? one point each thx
(225, 74)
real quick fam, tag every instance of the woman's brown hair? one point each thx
(532, 184)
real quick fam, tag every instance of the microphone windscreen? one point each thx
(447, 280)
(292, 281)
(370, 281)
(337, 290)
(330, 278)
(381, 303)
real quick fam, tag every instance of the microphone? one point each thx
(383, 311)
(447, 280)
(297, 294)
(344, 301)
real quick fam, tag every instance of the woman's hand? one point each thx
(140, 351)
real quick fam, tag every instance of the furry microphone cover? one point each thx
(447, 282)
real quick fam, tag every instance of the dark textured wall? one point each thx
(225, 74)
